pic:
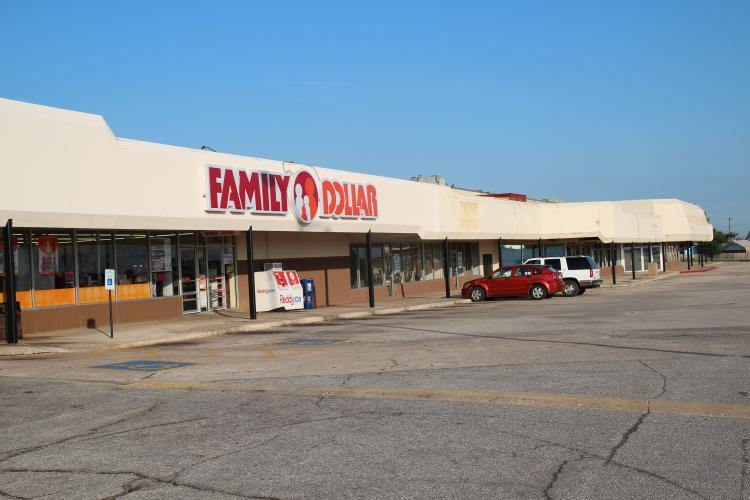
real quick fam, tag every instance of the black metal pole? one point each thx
(11, 325)
(663, 258)
(111, 323)
(446, 269)
(613, 262)
(499, 252)
(689, 255)
(701, 256)
(541, 253)
(632, 258)
(251, 273)
(370, 286)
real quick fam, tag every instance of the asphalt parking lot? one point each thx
(638, 392)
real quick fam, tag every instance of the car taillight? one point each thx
(591, 273)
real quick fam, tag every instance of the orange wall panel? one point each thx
(58, 297)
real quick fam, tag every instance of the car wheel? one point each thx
(581, 291)
(538, 292)
(477, 294)
(571, 288)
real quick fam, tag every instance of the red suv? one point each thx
(538, 282)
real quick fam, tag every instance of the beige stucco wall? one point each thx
(68, 169)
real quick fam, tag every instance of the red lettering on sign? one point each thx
(372, 200)
(230, 198)
(265, 192)
(329, 199)
(214, 187)
(282, 181)
(249, 190)
(264, 183)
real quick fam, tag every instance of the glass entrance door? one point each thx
(202, 281)
(189, 280)
(216, 279)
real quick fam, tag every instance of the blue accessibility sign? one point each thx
(311, 341)
(145, 366)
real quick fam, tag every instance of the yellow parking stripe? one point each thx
(700, 408)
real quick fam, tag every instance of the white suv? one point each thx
(579, 272)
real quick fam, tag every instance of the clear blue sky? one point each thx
(571, 100)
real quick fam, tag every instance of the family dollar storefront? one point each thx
(174, 222)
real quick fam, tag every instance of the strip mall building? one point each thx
(172, 222)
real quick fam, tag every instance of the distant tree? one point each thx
(714, 247)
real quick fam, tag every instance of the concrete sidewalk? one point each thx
(626, 279)
(197, 326)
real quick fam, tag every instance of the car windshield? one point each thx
(552, 269)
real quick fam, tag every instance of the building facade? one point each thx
(172, 222)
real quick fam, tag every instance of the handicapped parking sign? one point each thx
(109, 279)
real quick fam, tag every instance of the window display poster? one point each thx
(161, 255)
(48, 255)
(14, 243)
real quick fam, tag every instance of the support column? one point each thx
(370, 285)
(541, 249)
(251, 273)
(701, 255)
(11, 325)
(446, 269)
(689, 255)
(632, 258)
(663, 258)
(613, 262)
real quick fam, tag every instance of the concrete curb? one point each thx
(26, 349)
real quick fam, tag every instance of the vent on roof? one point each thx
(430, 179)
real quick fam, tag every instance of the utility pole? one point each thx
(730, 224)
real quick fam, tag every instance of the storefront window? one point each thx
(554, 250)
(20, 245)
(407, 263)
(397, 263)
(163, 265)
(437, 260)
(54, 268)
(229, 271)
(656, 255)
(187, 239)
(132, 266)
(418, 263)
(95, 254)
(428, 265)
(512, 255)
(377, 265)
(475, 259)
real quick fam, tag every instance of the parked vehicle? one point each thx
(538, 282)
(579, 272)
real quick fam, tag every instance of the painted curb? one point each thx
(703, 270)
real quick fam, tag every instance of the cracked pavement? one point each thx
(638, 392)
